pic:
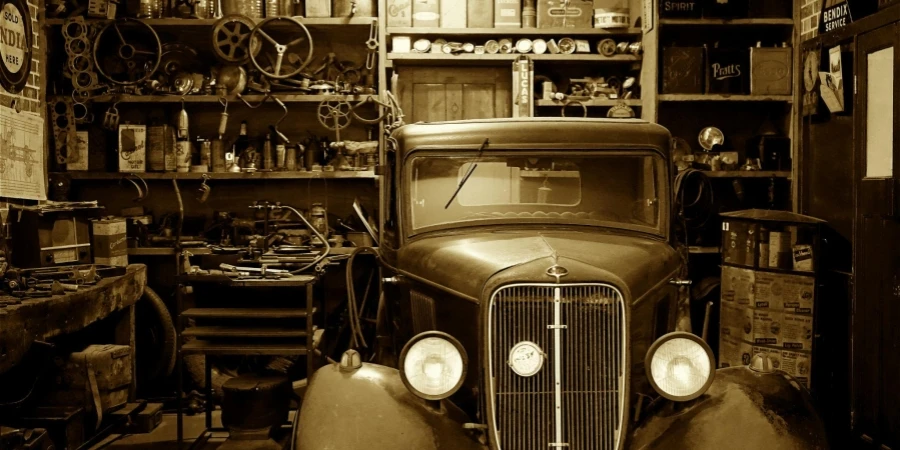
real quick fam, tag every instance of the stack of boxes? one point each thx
(764, 69)
(768, 290)
(508, 13)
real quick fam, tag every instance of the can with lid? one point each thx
(492, 47)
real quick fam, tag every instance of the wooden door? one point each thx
(875, 416)
(432, 94)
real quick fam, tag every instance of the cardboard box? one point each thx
(77, 158)
(161, 148)
(318, 8)
(508, 14)
(737, 323)
(399, 13)
(480, 13)
(426, 13)
(738, 286)
(780, 254)
(110, 241)
(734, 353)
(453, 14)
(682, 70)
(727, 71)
(770, 70)
(768, 327)
(565, 14)
(132, 148)
(781, 291)
(680, 9)
(797, 365)
(797, 332)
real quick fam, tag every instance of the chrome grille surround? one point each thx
(586, 411)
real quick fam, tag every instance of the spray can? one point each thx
(268, 157)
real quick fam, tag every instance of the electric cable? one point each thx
(696, 213)
(322, 255)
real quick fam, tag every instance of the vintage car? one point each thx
(533, 287)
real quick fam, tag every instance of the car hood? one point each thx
(466, 263)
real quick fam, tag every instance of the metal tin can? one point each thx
(271, 8)
(218, 155)
(205, 152)
(291, 158)
(280, 156)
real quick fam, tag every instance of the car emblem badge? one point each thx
(557, 271)
(526, 358)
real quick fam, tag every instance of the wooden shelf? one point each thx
(548, 32)
(216, 348)
(595, 102)
(441, 58)
(747, 174)
(345, 174)
(286, 98)
(694, 22)
(695, 250)
(724, 98)
(244, 313)
(175, 22)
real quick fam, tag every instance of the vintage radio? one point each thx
(480, 13)
(682, 70)
(770, 70)
(508, 13)
(727, 71)
(43, 239)
(565, 14)
(680, 9)
(727, 9)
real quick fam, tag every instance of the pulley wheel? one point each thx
(231, 39)
(334, 115)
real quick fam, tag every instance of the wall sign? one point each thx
(837, 14)
(15, 44)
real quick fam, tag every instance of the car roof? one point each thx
(534, 133)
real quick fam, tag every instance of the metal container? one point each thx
(344, 8)
(290, 162)
(249, 8)
(218, 156)
(271, 8)
(770, 71)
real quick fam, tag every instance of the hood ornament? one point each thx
(557, 271)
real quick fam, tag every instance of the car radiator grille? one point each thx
(589, 355)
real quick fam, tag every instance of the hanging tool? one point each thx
(183, 132)
(204, 190)
(281, 135)
(223, 118)
(111, 118)
(372, 45)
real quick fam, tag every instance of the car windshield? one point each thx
(620, 189)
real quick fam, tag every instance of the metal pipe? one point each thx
(709, 306)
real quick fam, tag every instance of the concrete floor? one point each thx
(164, 437)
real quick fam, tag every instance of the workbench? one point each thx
(39, 319)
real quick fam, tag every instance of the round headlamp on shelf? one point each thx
(433, 365)
(680, 366)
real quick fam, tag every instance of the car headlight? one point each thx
(680, 366)
(433, 365)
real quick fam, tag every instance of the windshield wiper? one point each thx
(468, 174)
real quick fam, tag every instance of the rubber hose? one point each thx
(166, 364)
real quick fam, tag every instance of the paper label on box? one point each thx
(733, 353)
(737, 322)
(791, 293)
(738, 285)
(768, 327)
(132, 148)
(399, 13)
(797, 332)
(797, 365)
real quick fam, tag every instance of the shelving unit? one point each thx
(344, 174)
(540, 32)
(594, 102)
(785, 22)
(747, 174)
(175, 22)
(252, 98)
(724, 98)
(424, 58)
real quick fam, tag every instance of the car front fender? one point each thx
(370, 408)
(742, 409)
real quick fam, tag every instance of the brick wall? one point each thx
(809, 18)
(30, 96)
